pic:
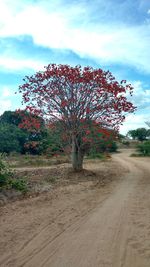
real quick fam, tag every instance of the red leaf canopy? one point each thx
(75, 94)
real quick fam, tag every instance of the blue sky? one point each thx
(113, 35)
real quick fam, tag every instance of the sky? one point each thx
(112, 35)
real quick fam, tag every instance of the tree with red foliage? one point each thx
(79, 98)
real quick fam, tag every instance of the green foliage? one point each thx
(103, 146)
(54, 142)
(11, 138)
(19, 185)
(113, 147)
(5, 172)
(140, 134)
(50, 141)
(98, 151)
(3, 180)
(7, 180)
(144, 148)
(15, 139)
(10, 117)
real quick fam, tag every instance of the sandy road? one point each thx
(114, 233)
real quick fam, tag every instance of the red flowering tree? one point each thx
(79, 98)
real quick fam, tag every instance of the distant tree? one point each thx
(10, 117)
(78, 97)
(140, 134)
(19, 139)
(12, 139)
(132, 133)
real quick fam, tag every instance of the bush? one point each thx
(113, 147)
(5, 172)
(6, 178)
(19, 185)
(144, 148)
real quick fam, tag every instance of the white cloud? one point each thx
(141, 96)
(11, 63)
(8, 99)
(63, 28)
(141, 99)
(5, 101)
(5, 105)
(134, 121)
(6, 92)
(53, 25)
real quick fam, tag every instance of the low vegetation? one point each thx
(7, 179)
(28, 160)
(144, 148)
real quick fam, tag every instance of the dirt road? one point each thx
(103, 228)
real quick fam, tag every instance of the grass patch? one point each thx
(7, 180)
(35, 161)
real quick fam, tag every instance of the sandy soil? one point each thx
(85, 224)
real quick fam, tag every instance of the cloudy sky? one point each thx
(113, 35)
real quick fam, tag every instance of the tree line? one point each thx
(48, 139)
(140, 134)
(14, 138)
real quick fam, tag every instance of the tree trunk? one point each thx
(77, 156)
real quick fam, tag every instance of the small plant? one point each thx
(52, 179)
(7, 180)
(5, 172)
(19, 185)
(113, 147)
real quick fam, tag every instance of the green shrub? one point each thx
(19, 185)
(113, 147)
(144, 148)
(3, 180)
(5, 172)
(51, 179)
(7, 180)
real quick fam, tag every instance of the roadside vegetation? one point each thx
(144, 148)
(141, 140)
(44, 147)
(8, 180)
